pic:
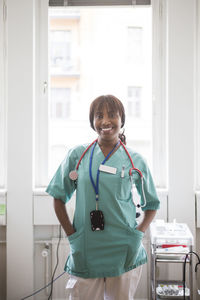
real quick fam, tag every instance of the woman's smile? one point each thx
(106, 130)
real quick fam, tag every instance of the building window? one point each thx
(60, 51)
(135, 45)
(134, 101)
(60, 103)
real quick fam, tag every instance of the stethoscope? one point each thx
(73, 175)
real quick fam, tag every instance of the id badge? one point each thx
(97, 220)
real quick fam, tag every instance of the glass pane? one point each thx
(95, 51)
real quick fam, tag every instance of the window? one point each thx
(134, 101)
(60, 103)
(134, 45)
(99, 37)
(60, 51)
(108, 50)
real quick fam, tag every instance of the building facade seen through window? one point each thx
(60, 51)
(95, 51)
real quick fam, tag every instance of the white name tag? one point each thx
(107, 169)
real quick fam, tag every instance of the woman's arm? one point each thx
(62, 215)
(148, 217)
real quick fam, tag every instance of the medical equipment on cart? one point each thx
(170, 243)
(170, 234)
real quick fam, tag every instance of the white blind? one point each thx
(97, 2)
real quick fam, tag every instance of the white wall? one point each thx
(181, 112)
(181, 115)
(20, 54)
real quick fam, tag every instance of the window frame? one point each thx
(159, 92)
(197, 104)
(97, 2)
(41, 95)
(3, 91)
(158, 98)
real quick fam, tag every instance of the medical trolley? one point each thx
(170, 242)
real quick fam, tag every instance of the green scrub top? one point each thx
(118, 248)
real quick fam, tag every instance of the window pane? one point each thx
(134, 46)
(60, 47)
(60, 103)
(134, 101)
(96, 51)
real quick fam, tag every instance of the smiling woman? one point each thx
(105, 237)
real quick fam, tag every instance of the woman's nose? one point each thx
(106, 120)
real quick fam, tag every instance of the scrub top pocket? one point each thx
(135, 243)
(124, 186)
(76, 258)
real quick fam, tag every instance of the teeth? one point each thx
(106, 129)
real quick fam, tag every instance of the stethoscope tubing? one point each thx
(130, 171)
(138, 171)
(77, 166)
(133, 167)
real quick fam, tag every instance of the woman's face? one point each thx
(107, 124)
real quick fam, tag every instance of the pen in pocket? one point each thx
(122, 172)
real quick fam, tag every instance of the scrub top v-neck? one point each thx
(118, 248)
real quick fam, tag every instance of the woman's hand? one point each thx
(62, 215)
(71, 231)
(140, 228)
(148, 217)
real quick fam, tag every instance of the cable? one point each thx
(36, 292)
(52, 279)
(57, 258)
(184, 268)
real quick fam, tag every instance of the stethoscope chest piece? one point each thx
(73, 175)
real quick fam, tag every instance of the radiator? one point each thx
(59, 290)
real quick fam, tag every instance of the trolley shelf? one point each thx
(169, 297)
(158, 260)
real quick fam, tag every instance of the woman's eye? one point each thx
(112, 115)
(99, 116)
